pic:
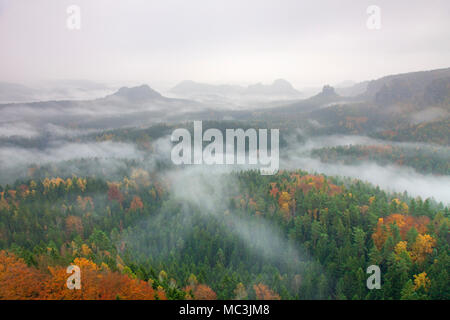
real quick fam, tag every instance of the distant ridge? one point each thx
(420, 88)
(278, 87)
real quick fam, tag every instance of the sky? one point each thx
(309, 43)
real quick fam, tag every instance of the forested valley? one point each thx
(363, 181)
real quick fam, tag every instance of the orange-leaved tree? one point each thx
(264, 293)
(19, 281)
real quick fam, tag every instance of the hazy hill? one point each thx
(353, 89)
(141, 93)
(418, 88)
(189, 87)
(15, 92)
(279, 87)
(423, 94)
(324, 98)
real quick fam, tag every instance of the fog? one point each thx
(429, 114)
(209, 190)
(335, 140)
(204, 192)
(390, 178)
(105, 159)
(28, 130)
(18, 129)
(70, 151)
(295, 156)
(53, 90)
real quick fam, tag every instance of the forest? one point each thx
(363, 181)
(432, 160)
(293, 235)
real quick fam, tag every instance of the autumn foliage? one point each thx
(47, 224)
(404, 223)
(136, 204)
(200, 292)
(74, 224)
(422, 247)
(114, 193)
(19, 281)
(285, 191)
(418, 250)
(264, 293)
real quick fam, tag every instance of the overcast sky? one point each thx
(161, 42)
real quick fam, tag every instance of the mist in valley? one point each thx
(61, 144)
(96, 101)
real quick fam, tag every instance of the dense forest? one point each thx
(312, 237)
(437, 132)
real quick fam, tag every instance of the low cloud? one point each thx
(20, 129)
(391, 178)
(205, 192)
